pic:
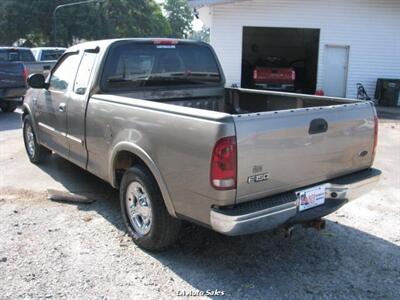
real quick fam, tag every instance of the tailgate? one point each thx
(11, 75)
(285, 150)
(274, 75)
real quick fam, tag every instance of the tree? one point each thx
(180, 17)
(201, 35)
(32, 19)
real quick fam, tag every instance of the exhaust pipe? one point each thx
(288, 231)
(317, 224)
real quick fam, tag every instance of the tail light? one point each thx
(375, 136)
(223, 164)
(25, 73)
(255, 74)
(293, 75)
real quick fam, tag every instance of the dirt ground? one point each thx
(58, 250)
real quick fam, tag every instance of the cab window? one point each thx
(64, 74)
(84, 71)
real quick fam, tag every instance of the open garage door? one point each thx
(280, 59)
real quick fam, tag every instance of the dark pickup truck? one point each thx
(12, 84)
(16, 63)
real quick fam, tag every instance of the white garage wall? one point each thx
(370, 27)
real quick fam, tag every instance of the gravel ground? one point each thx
(57, 250)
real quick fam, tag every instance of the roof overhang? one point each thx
(198, 3)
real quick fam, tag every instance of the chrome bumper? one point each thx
(269, 213)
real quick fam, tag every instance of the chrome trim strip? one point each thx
(56, 91)
(49, 128)
(74, 139)
(53, 130)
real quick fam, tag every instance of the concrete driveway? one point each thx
(59, 250)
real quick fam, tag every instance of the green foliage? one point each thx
(180, 17)
(33, 20)
(135, 18)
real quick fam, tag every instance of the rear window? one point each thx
(133, 65)
(16, 55)
(51, 54)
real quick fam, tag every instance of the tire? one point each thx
(8, 107)
(36, 152)
(158, 231)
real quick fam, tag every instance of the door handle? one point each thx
(62, 107)
(318, 126)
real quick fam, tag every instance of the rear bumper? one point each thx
(272, 212)
(15, 93)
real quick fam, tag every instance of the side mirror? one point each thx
(36, 81)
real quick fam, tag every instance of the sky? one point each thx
(197, 24)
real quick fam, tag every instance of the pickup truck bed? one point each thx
(275, 134)
(146, 117)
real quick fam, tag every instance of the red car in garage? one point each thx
(274, 73)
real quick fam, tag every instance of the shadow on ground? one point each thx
(338, 262)
(74, 178)
(10, 121)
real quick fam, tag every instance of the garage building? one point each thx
(329, 44)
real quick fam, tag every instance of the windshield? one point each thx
(51, 54)
(133, 65)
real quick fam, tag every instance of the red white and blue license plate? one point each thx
(311, 197)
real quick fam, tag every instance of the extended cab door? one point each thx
(77, 108)
(52, 104)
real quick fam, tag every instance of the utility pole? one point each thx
(67, 5)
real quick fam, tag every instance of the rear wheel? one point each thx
(8, 107)
(143, 210)
(36, 152)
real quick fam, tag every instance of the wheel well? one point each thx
(24, 113)
(123, 161)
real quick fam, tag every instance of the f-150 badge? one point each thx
(258, 178)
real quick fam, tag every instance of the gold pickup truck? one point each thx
(152, 117)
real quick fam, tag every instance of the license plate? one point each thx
(311, 197)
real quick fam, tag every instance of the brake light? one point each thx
(25, 73)
(293, 75)
(376, 125)
(223, 164)
(165, 42)
(255, 74)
